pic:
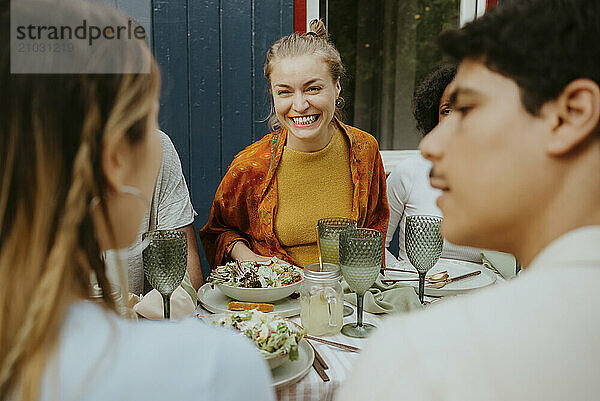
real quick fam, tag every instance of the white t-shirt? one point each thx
(409, 193)
(102, 357)
(171, 209)
(536, 337)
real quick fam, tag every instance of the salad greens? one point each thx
(251, 274)
(272, 334)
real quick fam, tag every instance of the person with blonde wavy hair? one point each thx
(311, 166)
(79, 156)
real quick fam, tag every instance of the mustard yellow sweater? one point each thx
(311, 186)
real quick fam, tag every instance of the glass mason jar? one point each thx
(321, 300)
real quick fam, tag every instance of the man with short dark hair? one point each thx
(518, 163)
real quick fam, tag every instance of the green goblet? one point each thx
(165, 261)
(424, 245)
(361, 251)
(329, 242)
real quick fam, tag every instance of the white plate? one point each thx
(292, 371)
(213, 300)
(455, 268)
(269, 294)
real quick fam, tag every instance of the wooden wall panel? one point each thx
(169, 38)
(236, 75)
(205, 108)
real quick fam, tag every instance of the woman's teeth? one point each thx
(305, 120)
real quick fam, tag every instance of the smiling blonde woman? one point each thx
(311, 167)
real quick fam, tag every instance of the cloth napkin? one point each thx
(385, 298)
(186, 284)
(151, 305)
(500, 262)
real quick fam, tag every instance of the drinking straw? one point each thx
(319, 250)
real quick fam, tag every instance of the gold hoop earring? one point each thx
(340, 102)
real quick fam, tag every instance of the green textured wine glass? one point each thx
(424, 244)
(329, 242)
(329, 237)
(361, 251)
(165, 261)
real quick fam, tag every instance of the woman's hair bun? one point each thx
(317, 27)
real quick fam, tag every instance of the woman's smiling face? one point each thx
(304, 95)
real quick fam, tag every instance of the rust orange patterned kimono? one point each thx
(245, 204)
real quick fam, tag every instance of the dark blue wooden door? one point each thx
(214, 95)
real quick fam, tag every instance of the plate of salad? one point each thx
(252, 281)
(276, 338)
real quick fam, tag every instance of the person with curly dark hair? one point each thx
(408, 188)
(518, 164)
(429, 103)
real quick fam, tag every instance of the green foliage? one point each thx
(433, 17)
(388, 47)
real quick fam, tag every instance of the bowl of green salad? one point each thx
(252, 281)
(276, 338)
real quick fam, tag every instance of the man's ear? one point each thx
(115, 160)
(578, 114)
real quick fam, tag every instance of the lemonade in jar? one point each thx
(321, 300)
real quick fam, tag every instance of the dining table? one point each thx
(311, 386)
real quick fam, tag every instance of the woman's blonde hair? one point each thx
(314, 42)
(52, 130)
